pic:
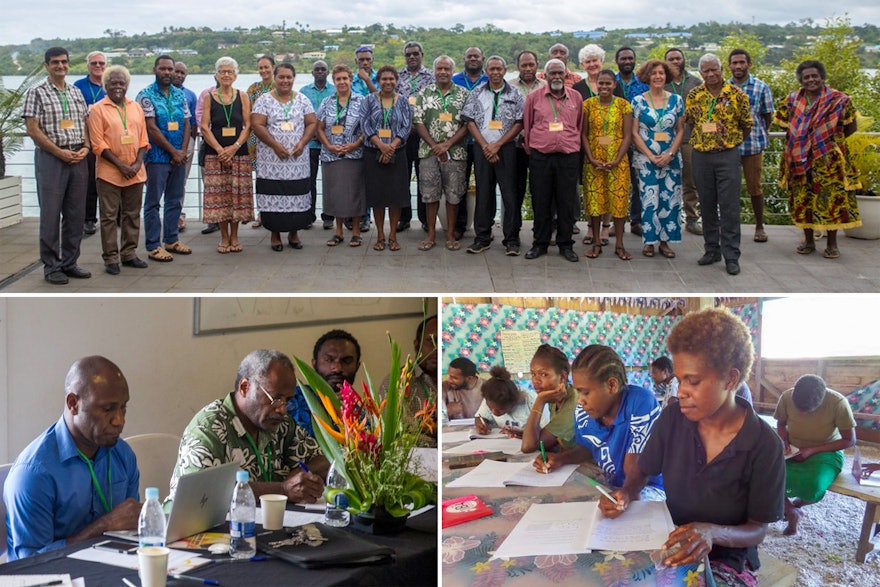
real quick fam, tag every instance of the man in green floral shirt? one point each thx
(442, 152)
(250, 426)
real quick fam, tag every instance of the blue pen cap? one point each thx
(241, 476)
(341, 501)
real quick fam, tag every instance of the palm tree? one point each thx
(12, 125)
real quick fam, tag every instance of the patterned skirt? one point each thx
(229, 193)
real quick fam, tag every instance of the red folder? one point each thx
(464, 509)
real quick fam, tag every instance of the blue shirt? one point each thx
(627, 434)
(317, 96)
(461, 79)
(633, 88)
(761, 103)
(373, 117)
(358, 86)
(91, 92)
(191, 102)
(49, 493)
(172, 108)
(298, 409)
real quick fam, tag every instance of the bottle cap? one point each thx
(241, 476)
(341, 501)
(152, 493)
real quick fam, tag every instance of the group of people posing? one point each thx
(721, 469)
(644, 142)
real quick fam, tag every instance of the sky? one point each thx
(23, 21)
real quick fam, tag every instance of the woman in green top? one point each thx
(550, 371)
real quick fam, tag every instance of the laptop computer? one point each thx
(200, 503)
(872, 481)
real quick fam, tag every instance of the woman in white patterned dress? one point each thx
(283, 121)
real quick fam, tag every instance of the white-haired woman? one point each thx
(226, 125)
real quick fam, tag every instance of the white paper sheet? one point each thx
(296, 518)
(461, 422)
(509, 446)
(179, 561)
(28, 580)
(453, 436)
(500, 474)
(645, 525)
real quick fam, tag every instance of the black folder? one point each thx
(340, 548)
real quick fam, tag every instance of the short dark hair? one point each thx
(336, 334)
(161, 57)
(808, 393)
(387, 69)
(55, 52)
(414, 44)
(526, 52)
(267, 56)
(624, 48)
(663, 363)
(811, 63)
(285, 65)
(500, 389)
(609, 73)
(739, 51)
(424, 322)
(466, 366)
(555, 356)
(671, 49)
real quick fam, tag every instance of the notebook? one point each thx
(872, 481)
(464, 509)
(501, 474)
(201, 502)
(316, 546)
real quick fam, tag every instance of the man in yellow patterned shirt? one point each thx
(719, 115)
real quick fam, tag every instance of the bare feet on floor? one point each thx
(792, 516)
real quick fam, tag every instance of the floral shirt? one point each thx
(430, 105)
(481, 109)
(216, 436)
(166, 110)
(410, 85)
(331, 113)
(729, 112)
(374, 116)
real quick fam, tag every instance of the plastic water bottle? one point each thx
(337, 514)
(242, 519)
(151, 523)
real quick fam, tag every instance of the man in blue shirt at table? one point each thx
(92, 88)
(78, 479)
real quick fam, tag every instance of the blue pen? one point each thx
(193, 579)
(302, 466)
(253, 559)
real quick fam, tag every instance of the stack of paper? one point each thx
(509, 446)
(501, 474)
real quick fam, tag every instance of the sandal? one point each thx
(335, 240)
(453, 245)
(606, 228)
(622, 254)
(831, 253)
(594, 252)
(425, 245)
(760, 236)
(179, 248)
(667, 252)
(393, 245)
(380, 245)
(355, 241)
(805, 249)
(222, 249)
(648, 251)
(587, 240)
(235, 248)
(161, 255)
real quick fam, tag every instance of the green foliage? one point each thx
(12, 125)
(751, 43)
(864, 153)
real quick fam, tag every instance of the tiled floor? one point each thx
(771, 267)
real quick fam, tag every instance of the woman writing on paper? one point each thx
(722, 466)
(612, 422)
(504, 405)
(549, 370)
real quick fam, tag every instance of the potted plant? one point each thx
(12, 133)
(864, 154)
(369, 441)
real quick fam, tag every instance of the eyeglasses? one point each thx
(415, 54)
(97, 63)
(273, 402)
(226, 72)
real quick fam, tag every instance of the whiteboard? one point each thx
(228, 314)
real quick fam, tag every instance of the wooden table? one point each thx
(845, 484)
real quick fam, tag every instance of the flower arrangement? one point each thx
(369, 441)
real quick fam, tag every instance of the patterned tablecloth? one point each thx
(467, 548)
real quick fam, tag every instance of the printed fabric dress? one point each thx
(659, 187)
(606, 191)
(228, 189)
(815, 168)
(254, 91)
(283, 186)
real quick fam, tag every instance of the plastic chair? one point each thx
(156, 456)
(4, 472)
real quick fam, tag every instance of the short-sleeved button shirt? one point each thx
(409, 84)
(430, 104)
(46, 103)
(761, 103)
(332, 113)
(165, 109)
(730, 112)
(481, 110)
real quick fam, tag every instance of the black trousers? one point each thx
(91, 190)
(503, 175)
(412, 160)
(553, 178)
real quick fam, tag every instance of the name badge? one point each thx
(412, 100)
(661, 136)
(337, 129)
(604, 141)
(286, 126)
(228, 131)
(173, 126)
(384, 133)
(495, 125)
(555, 127)
(710, 127)
(445, 117)
(66, 124)
(127, 139)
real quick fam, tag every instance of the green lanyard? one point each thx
(605, 116)
(123, 115)
(228, 113)
(526, 89)
(266, 88)
(443, 99)
(65, 107)
(413, 82)
(88, 462)
(809, 102)
(265, 471)
(386, 112)
(340, 108)
(285, 111)
(711, 109)
(93, 92)
(169, 104)
(495, 105)
(553, 106)
(662, 112)
(680, 89)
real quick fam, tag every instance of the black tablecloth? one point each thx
(415, 563)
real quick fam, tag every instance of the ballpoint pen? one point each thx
(253, 559)
(602, 490)
(193, 579)
(303, 466)
(543, 454)
(47, 583)
(127, 582)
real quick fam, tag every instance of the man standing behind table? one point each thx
(168, 127)
(719, 116)
(250, 426)
(180, 73)
(410, 81)
(751, 150)
(527, 64)
(560, 52)
(316, 92)
(632, 87)
(92, 90)
(437, 120)
(682, 83)
(78, 479)
(494, 114)
(55, 117)
(552, 121)
(461, 390)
